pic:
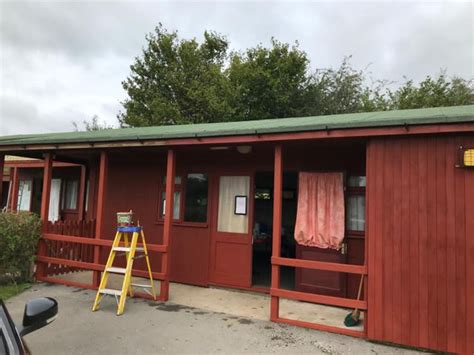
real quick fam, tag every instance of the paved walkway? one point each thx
(238, 303)
(151, 328)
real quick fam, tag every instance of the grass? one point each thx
(10, 290)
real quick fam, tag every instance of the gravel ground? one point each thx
(150, 328)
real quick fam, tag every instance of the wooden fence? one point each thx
(66, 249)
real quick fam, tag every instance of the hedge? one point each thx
(19, 236)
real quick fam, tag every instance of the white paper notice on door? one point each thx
(240, 205)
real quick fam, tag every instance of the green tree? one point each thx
(93, 125)
(268, 82)
(433, 92)
(333, 91)
(177, 81)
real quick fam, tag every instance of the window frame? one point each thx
(184, 182)
(355, 191)
(162, 190)
(64, 192)
(181, 188)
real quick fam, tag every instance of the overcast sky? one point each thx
(64, 61)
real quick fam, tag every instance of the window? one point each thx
(355, 204)
(176, 204)
(229, 188)
(195, 207)
(24, 195)
(176, 200)
(177, 180)
(355, 213)
(70, 194)
(356, 181)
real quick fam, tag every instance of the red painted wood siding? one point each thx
(421, 243)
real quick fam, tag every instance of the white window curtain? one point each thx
(176, 204)
(355, 214)
(24, 195)
(53, 214)
(72, 187)
(229, 188)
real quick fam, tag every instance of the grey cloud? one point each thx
(64, 61)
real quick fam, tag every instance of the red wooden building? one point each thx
(233, 192)
(22, 188)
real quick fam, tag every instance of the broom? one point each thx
(353, 318)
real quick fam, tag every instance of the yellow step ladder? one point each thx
(129, 250)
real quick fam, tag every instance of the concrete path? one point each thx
(238, 303)
(151, 328)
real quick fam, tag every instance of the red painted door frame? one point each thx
(231, 246)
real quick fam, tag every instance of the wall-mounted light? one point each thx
(219, 148)
(466, 157)
(244, 149)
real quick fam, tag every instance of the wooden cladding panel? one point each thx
(421, 243)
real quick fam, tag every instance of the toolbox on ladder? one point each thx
(129, 249)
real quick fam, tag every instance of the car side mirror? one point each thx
(38, 313)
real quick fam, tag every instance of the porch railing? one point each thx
(70, 247)
(62, 249)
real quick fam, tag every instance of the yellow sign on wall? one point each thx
(469, 157)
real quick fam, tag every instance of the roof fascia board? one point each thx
(253, 138)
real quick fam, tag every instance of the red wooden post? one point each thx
(103, 167)
(45, 196)
(2, 165)
(165, 261)
(82, 194)
(92, 208)
(276, 247)
(14, 190)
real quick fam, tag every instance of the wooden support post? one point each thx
(103, 167)
(14, 190)
(276, 247)
(2, 166)
(165, 261)
(45, 197)
(82, 194)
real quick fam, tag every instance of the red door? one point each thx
(231, 232)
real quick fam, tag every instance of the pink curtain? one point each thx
(320, 213)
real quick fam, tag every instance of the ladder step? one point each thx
(116, 270)
(126, 249)
(142, 286)
(109, 291)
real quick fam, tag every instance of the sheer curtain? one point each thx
(53, 214)
(24, 195)
(320, 212)
(229, 187)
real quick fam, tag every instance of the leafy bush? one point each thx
(19, 235)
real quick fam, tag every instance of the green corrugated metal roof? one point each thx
(438, 115)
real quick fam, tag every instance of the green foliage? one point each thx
(178, 81)
(268, 82)
(433, 92)
(335, 91)
(19, 235)
(92, 125)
